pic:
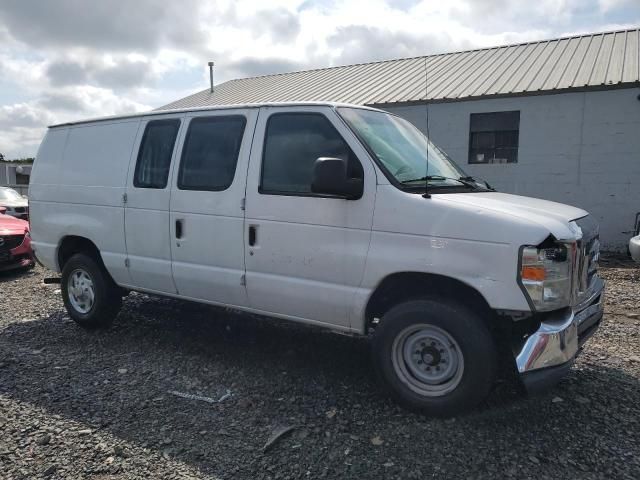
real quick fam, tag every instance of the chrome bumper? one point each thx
(549, 352)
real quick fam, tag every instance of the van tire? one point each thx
(429, 334)
(98, 300)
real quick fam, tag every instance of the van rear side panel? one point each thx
(48, 160)
(77, 190)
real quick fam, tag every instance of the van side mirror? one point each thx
(330, 178)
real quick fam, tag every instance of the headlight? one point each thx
(546, 275)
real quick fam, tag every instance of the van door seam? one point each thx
(244, 210)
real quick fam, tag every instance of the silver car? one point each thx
(634, 243)
(16, 204)
(634, 248)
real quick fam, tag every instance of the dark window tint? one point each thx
(293, 142)
(210, 153)
(22, 179)
(493, 137)
(154, 157)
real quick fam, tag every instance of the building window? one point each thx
(210, 153)
(293, 143)
(154, 157)
(22, 179)
(493, 137)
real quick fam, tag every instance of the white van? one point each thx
(323, 214)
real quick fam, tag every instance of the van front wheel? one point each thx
(435, 357)
(88, 292)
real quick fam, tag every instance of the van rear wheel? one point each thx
(89, 294)
(435, 357)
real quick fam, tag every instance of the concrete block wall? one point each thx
(579, 148)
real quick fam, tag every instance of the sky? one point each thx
(62, 60)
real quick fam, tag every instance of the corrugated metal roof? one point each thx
(599, 60)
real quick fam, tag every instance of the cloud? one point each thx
(22, 128)
(120, 74)
(23, 115)
(281, 24)
(61, 102)
(253, 67)
(608, 5)
(23, 125)
(66, 72)
(118, 25)
(360, 43)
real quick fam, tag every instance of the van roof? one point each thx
(207, 108)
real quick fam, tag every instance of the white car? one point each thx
(322, 214)
(634, 248)
(16, 205)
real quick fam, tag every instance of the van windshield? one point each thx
(402, 150)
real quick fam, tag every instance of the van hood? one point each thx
(551, 215)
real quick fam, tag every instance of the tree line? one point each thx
(16, 160)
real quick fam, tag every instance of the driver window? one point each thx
(293, 142)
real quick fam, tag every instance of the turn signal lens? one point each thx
(533, 273)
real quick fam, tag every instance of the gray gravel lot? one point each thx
(77, 404)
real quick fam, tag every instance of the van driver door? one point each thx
(305, 252)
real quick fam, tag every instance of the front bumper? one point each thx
(19, 257)
(548, 353)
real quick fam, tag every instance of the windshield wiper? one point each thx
(462, 180)
(469, 178)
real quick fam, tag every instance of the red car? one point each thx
(15, 243)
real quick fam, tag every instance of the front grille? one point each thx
(586, 267)
(9, 242)
(20, 209)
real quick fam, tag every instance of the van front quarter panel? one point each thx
(434, 236)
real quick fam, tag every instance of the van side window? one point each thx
(293, 142)
(210, 153)
(154, 156)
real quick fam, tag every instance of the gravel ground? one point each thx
(77, 404)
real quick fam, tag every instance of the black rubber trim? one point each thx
(587, 332)
(540, 380)
(519, 279)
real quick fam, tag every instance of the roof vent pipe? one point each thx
(211, 75)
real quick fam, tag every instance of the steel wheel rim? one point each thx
(428, 360)
(81, 291)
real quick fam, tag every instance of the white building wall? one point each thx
(8, 176)
(578, 148)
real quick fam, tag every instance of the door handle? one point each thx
(178, 228)
(253, 233)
